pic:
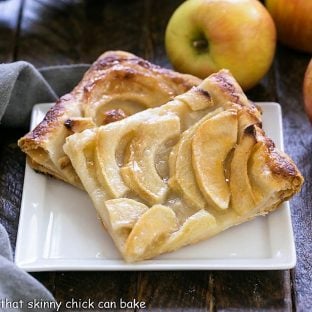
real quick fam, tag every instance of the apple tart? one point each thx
(117, 85)
(176, 174)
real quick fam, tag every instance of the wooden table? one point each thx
(46, 32)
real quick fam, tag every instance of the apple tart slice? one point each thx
(117, 85)
(176, 174)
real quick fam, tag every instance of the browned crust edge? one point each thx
(39, 136)
(279, 162)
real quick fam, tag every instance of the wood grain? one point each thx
(10, 13)
(176, 291)
(290, 68)
(158, 15)
(67, 32)
(49, 32)
(96, 286)
(252, 291)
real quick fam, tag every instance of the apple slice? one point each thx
(197, 99)
(184, 179)
(109, 140)
(150, 232)
(108, 171)
(246, 118)
(140, 174)
(124, 212)
(182, 175)
(260, 174)
(194, 229)
(211, 144)
(242, 198)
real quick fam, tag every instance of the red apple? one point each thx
(293, 20)
(307, 90)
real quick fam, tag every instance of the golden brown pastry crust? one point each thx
(150, 209)
(117, 80)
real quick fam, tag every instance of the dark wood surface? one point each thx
(47, 32)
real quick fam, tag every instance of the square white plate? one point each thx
(59, 229)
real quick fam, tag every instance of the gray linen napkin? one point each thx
(22, 86)
(18, 290)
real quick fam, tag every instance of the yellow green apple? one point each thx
(307, 90)
(293, 20)
(203, 36)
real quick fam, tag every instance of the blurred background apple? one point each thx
(293, 20)
(307, 90)
(204, 36)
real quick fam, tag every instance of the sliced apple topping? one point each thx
(195, 228)
(108, 171)
(128, 104)
(140, 174)
(211, 144)
(242, 198)
(150, 232)
(196, 99)
(184, 180)
(162, 157)
(108, 143)
(262, 179)
(245, 120)
(181, 170)
(124, 212)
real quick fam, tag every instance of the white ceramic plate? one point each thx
(59, 229)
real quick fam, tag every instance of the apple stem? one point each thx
(200, 45)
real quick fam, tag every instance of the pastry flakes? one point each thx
(180, 173)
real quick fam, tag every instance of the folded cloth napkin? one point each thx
(22, 86)
(19, 291)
